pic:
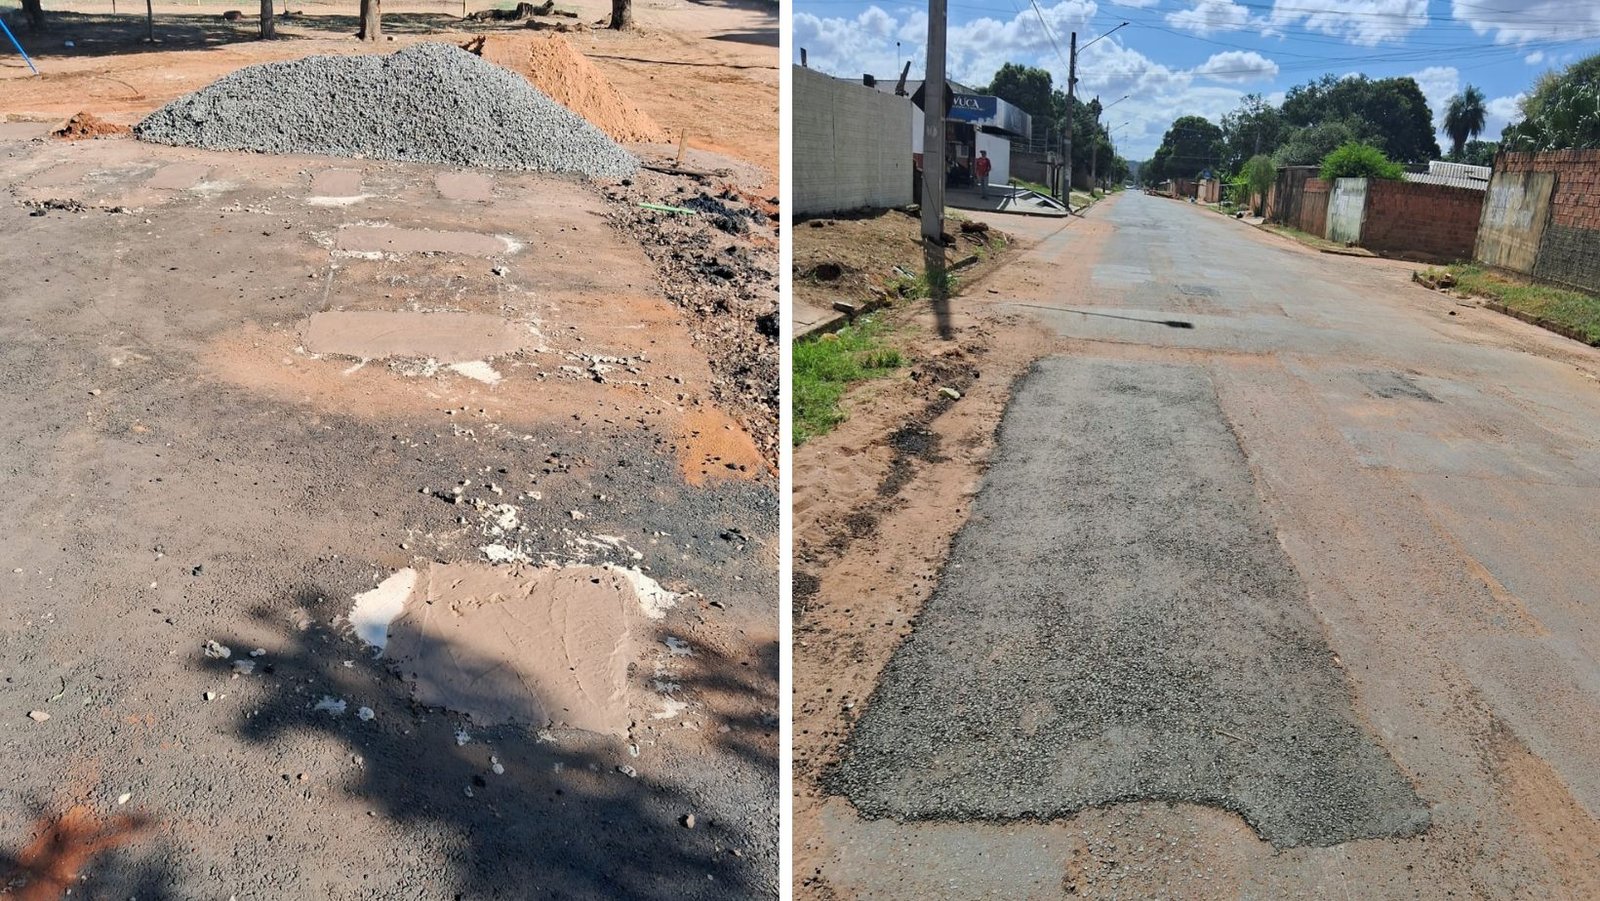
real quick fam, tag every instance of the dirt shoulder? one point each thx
(877, 502)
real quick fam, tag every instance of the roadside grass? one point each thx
(1306, 238)
(1031, 185)
(827, 365)
(1573, 310)
(919, 286)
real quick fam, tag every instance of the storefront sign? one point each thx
(973, 107)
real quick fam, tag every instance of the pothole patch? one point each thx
(450, 338)
(537, 646)
(384, 239)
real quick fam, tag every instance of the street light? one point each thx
(1072, 82)
(1106, 35)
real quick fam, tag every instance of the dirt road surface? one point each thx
(244, 391)
(1261, 574)
(706, 72)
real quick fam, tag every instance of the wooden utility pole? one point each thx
(1072, 82)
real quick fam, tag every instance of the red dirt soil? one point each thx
(570, 79)
(86, 125)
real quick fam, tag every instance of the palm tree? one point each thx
(1463, 119)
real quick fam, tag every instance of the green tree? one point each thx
(1562, 111)
(1191, 145)
(1308, 146)
(1463, 119)
(1389, 113)
(1357, 160)
(1256, 126)
(1258, 174)
(1480, 153)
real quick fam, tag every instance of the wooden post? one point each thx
(371, 20)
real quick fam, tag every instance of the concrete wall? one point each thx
(1515, 213)
(1437, 223)
(1549, 202)
(1029, 165)
(850, 147)
(999, 157)
(1209, 191)
(1346, 208)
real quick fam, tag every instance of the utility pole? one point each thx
(1072, 81)
(933, 137)
(1094, 148)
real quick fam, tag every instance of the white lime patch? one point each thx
(374, 610)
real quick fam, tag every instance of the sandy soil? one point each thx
(191, 472)
(706, 72)
(1417, 525)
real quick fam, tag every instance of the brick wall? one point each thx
(1569, 250)
(1030, 166)
(852, 146)
(1421, 221)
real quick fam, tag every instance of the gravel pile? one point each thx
(430, 103)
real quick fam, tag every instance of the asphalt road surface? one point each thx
(1281, 584)
(1118, 622)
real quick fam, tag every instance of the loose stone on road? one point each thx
(1117, 622)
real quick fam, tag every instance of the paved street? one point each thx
(1281, 582)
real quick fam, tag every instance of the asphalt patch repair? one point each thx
(1117, 622)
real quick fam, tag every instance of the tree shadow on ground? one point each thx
(124, 34)
(517, 811)
(760, 38)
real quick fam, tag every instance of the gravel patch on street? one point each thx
(431, 103)
(1117, 622)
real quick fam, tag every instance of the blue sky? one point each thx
(1179, 57)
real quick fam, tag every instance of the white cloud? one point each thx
(1528, 20)
(849, 46)
(1210, 16)
(1500, 112)
(1365, 22)
(876, 22)
(1438, 84)
(1534, 58)
(1238, 67)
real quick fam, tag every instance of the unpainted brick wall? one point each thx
(1421, 221)
(852, 146)
(1569, 252)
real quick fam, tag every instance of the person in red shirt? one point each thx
(980, 168)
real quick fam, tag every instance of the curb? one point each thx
(1541, 322)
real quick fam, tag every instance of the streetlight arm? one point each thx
(1104, 36)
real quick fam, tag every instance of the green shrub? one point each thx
(1358, 160)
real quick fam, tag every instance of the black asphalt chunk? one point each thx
(1119, 623)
